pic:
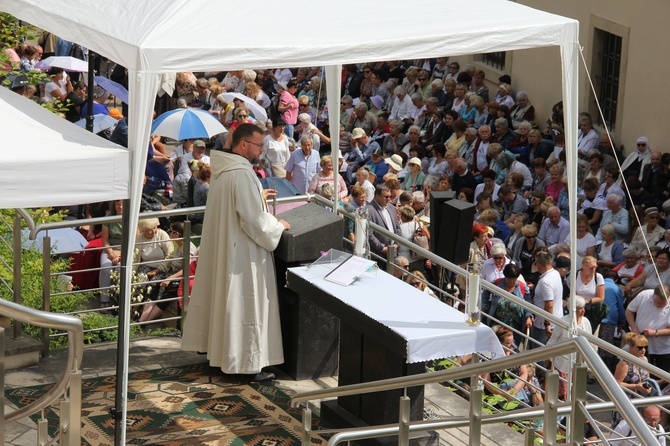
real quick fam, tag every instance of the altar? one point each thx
(387, 329)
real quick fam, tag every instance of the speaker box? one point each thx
(313, 230)
(437, 200)
(455, 231)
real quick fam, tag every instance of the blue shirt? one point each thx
(614, 300)
(303, 168)
(379, 169)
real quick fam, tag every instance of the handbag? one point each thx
(419, 239)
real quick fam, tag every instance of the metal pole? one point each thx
(390, 256)
(403, 432)
(89, 92)
(306, 427)
(551, 411)
(476, 402)
(121, 396)
(46, 290)
(2, 378)
(576, 425)
(16, 238)
(529, 437)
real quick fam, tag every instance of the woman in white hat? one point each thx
(650, 231)
(395, 163)
(414, 180)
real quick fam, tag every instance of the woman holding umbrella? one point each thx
(59, 87)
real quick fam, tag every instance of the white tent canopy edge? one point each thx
(150, 36)
(49, 161)
(145, 37)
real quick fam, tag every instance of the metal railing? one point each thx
(48, 275)
(575, 408)
(68, 385)
(599, 343)
(438, 261)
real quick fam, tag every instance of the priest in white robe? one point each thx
(233, 313)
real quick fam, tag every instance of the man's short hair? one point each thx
(662, 290)
(543, 258)
(381, 188)
(504, 190)
(245, 131)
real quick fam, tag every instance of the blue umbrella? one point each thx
(112, 87)
(185, 123)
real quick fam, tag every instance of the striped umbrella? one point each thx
(186, 123)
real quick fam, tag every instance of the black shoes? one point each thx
(263, 376)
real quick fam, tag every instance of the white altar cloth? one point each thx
(432, 329)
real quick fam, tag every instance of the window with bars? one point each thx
(607, 69)
(495, 60)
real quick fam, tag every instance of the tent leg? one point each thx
(121, 347)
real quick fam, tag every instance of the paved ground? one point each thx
(154, 353)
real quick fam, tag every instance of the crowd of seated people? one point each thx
(412, 127)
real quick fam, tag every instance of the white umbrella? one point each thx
(100, 122)
(63, 241)
(187, 123)
(68, 63)
(253, 106)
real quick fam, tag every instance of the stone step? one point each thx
(20, 352)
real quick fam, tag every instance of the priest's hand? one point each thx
(269, 193)
(285, 224)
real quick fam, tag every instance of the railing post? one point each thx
(2, 380)
(576, 425)
(46, 290)
(306, 427)
(42, 430)
(529, 437)
(403, 422)
(390, 257)
(476, 405)
(550, 410)
(74, 427)
(476, 402)
(16, 238)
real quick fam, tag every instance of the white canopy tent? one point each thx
(153, 37)
(48, 161)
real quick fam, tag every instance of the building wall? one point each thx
(646, 45)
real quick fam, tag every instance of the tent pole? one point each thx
(334, 93)
(121, 343)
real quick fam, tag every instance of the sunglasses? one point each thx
(242, 116)
(416, 284)
(641, 145)
(530, 237)
(423, 79)
(304, 105)
(640, 347)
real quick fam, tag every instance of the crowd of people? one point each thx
(412, 127)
